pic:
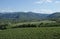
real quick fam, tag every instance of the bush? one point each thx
(25, 25)
(3, 26)
(49, 25)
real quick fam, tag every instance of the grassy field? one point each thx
(31, 33)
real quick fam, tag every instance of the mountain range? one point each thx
(28, 15)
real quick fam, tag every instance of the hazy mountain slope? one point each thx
(29, 16)
(54, 15)
(23, 16)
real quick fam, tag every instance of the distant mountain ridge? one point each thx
(28, 15)
(54, 15)
(23, 15)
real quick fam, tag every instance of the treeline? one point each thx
(5, 26)
(38, 25)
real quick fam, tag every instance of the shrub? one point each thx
(25, 25)
(3, 26)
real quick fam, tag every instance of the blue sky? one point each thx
(39, 6)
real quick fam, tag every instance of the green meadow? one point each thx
(31, 33)
(31, 30)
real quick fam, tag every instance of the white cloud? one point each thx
(57, 2)
(49, 1)
(43, 1)
(47, 11)
(39, 2)
(6, 11)
(43, 11)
